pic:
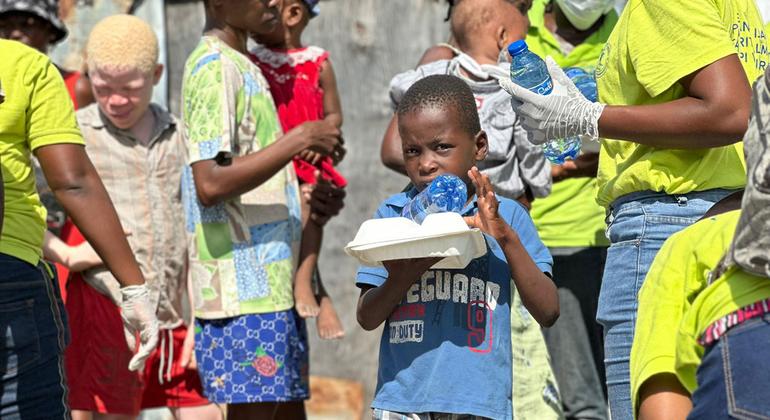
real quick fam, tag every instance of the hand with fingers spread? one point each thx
(139, 318)
(487, 218)
(565, 112)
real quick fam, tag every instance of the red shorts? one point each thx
(97, 361)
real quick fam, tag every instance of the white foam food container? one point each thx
(440, 235)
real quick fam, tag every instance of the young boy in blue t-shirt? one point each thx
(446, 346)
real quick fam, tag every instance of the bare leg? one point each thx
(260, 411)
(304, 298)
(202, 412)
(81, 415)
(328, 324)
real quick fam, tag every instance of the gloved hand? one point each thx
(139, 318)
(563, 113)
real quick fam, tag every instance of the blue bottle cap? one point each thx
(517, 47)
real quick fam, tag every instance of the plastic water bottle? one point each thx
(529, 71)
(445, 193)
(584, 81)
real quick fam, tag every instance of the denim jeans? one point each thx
(637, 226)
(732, 378)
(34, 324)
(575, 341)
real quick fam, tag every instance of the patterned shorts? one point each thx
(253, 358)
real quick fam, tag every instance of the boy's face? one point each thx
(27, 29)
(124, 95)
(253, 16)
(434, 143)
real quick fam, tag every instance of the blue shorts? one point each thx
(253, 358)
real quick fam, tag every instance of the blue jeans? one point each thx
(637, 226)
(34, 324)
(732, 378)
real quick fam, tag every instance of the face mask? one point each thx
(584, 13)
(481, 71)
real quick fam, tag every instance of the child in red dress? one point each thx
(304, 89)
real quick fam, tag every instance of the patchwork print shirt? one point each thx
(243, 251)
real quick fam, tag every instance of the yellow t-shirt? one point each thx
(654, 45)
(676, 303)
(569, 216)
(37, 111)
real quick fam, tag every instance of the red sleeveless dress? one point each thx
(293, 76)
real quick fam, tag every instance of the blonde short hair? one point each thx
(122, 42)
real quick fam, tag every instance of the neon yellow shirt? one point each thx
(676, 303)
(654, 45)
(569, 217)
(37, 111)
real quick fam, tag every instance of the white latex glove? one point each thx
(563, 113)
(139, 318)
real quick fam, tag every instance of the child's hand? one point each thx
(410, 267)
(325, 199)
(487, 218)
(339, 152)
(310, 156)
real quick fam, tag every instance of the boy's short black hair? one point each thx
(444, 92)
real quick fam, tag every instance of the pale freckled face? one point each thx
(123, 95)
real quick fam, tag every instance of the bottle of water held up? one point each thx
(586, 84)
(445, 193)
(529, 71)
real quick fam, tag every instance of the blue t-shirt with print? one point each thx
(447, 346)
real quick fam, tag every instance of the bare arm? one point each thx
(375, 304)
(662, 397)
(538, 292)
(714, 112)
(332, 106)
(217, 181)
(77, 186)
